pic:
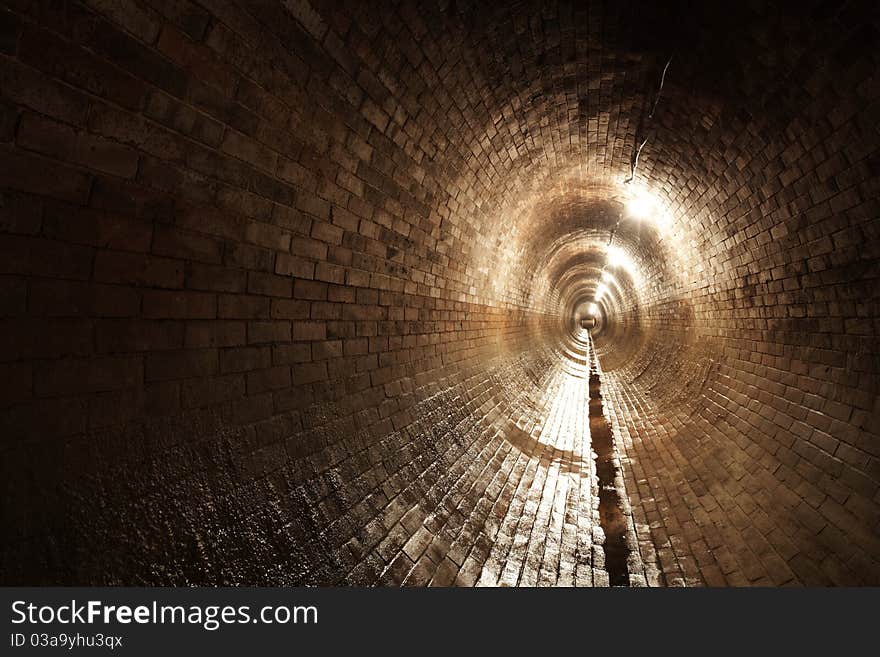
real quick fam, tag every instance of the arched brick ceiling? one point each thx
(520, 111)
(290, 288)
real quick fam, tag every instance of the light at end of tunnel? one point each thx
(593, 309)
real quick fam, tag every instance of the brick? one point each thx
(270, 379)
(182, 118)
(81, 69)
(249, 257)
(186, 364)
(267, 236)
(250, 151)
(287, 354)
(35, 91)
(20, 214)
(125, 335)
(196, 59)
(138, 269)
(309, 331)
(309, 290)
(308, 248)
(16, 383)
(251, 409)
(215, 278)
(294, 172)
(97, 228)
(13, 296)
(287, 265)
(185, 245)
(274, 331)
(197, 393)
(45, 418)
(327, 233)
(134, 131)
(215, 334)
(162, 304)
(9, 30)
(8, 121)
(41, 338)
(330, 273)
(309, 373)
(244, 359)
(132, 56)
(135, 20)
(30, 173)
(189, 17)
(329, 349)
(243, 307)
(60, 298)
(26, 255)
(290, 309)
(93, 375)
(269, 285)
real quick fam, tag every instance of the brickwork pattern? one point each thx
(285, 290)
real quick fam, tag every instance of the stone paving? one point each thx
(536, 522)
(546, 536)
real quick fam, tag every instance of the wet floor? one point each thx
(564, 525)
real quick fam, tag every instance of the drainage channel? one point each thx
(611, 515)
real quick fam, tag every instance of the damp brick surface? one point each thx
(287, 288)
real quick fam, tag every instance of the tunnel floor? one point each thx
(602, 485)
(547, 533)
(557, 513)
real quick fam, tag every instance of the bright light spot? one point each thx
(640, 206)
(593, 309)
(601, 291)
(607, 277)
(617, 258)
(643, 205)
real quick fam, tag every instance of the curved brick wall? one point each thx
(288, 292)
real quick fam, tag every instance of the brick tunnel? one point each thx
(439, 293)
